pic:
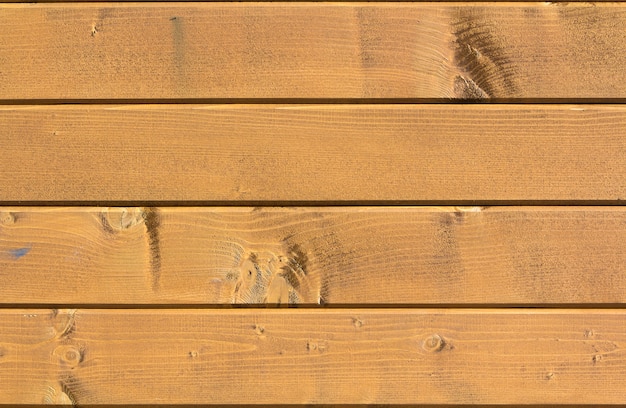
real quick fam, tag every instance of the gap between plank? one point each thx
(308, 406)
(315, 101)
(312, 306)
(326, 203)
(294, 1)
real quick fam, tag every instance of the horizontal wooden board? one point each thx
(312, 50)
(300, 153)
(333, 256)
(313, 357)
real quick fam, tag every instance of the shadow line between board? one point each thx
(313, 306)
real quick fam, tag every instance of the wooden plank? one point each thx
(312, 50)
(260, 153)
(336, 256)
(313, 356)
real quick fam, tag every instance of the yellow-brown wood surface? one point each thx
(163, 161)
(312, 50)
(313, 356)
(336, 256)
(252, 153)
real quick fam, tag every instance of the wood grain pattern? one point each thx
(336, 256)
(297, 153)
(114, 306)
(309, 357)
(312, 50)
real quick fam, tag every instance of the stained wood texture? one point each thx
(306, 357)
(351, 255)
(258, 153)
(319, 50)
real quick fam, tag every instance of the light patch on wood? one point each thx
(7, 218)
(466, 88)
(119, 218)
(54, 396)
(266, 277)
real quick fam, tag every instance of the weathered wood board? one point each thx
(254, 154)
(313, 255)
(296, 356)
(312, 50)
(266, 203)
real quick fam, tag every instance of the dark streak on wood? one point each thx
(448, 257)
(68, 384)
(459, 215)
(152, 221)
(70, 326)
(324, 292)
(253, 257)
(296, 268)
(486, 70)
(178, 42)
(104, 222)
(369, 38)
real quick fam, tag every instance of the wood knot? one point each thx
(356, 322)
(273, 278)
(259, 330)
(316, 346)
(7, 218)
(115, 219)
(434, 343)
(54, 396)
(69, 355)
(64, 323)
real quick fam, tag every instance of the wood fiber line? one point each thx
(313, 357)
(90, 51)
(294, 153)
(329, 256)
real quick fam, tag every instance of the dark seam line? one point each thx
(372, 306)
(309, 203)
(297, 1)
(317, 405)
(308, 101)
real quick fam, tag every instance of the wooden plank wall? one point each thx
(312, 203)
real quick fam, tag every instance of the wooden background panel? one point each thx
(336, 256)
(307, 357)
(299, 153)
(312, 50)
